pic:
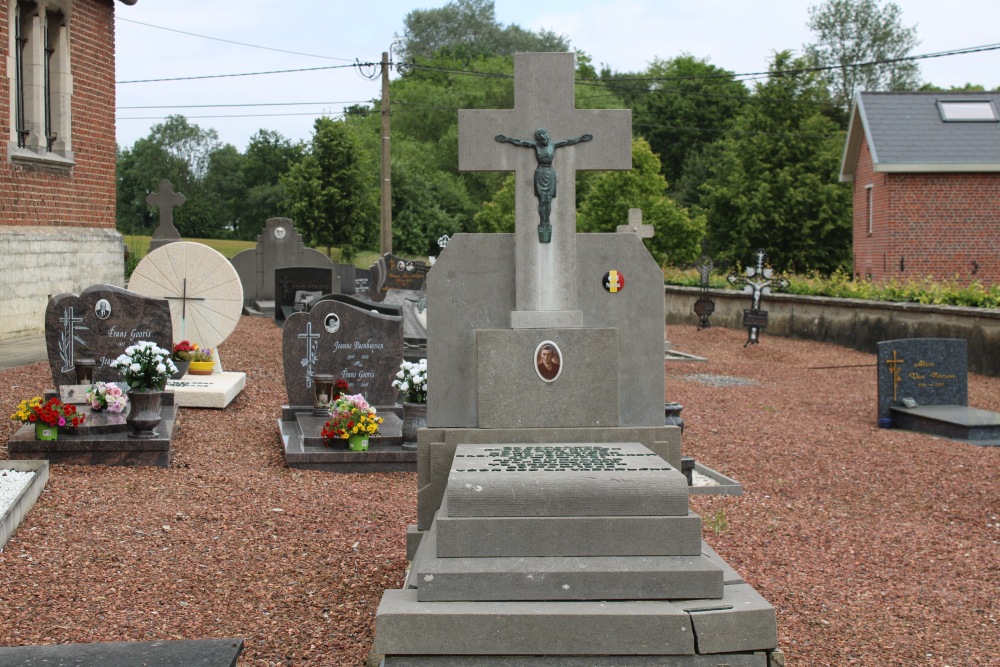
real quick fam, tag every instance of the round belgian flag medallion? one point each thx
(614, 281)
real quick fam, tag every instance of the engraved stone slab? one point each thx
(395, 273)
(100, 323)
(621, 479)
(931, 371)
(363, 347)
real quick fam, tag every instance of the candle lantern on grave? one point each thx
(323, 384)
(85, 370)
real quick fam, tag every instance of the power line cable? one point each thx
(253, 104)
(229, 41)
(223, 76)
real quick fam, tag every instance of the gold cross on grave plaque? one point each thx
(894, 367)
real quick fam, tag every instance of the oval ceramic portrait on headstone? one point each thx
(201, 285)
(548, 361)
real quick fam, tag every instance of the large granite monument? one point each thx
(553, 522)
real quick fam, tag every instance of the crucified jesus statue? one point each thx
(545, 173)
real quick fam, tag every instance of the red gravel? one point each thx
(877, 547)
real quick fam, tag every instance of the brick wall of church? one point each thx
(57, 228)
(940, 225)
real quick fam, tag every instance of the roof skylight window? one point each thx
(967, 111)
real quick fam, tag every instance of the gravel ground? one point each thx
(877, 547)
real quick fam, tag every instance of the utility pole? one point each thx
(386, 235)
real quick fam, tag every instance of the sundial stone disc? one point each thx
(201, 285)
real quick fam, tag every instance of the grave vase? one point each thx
(144, 415)
(182, 369)
(202, 368)
(358, 442)
(414, 418)
(46, 432)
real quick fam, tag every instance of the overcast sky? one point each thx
(625, 35)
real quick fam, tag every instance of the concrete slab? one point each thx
(17, 510)
(758, 659)
(190, 653)
(473, 537)
(207, 391)
(729, 575)
(563, 578)
(741, 621)
(956, 422)
(406, 626)
(380, 457)
(564, 479)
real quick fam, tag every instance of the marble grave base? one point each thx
(207, 391)
(304, 448)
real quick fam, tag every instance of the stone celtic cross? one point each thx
(544, 99)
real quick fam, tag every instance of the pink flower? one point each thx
(62, 421)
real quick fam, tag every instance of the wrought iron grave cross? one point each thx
(757, 282)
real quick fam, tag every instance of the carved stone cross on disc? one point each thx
(545, 273)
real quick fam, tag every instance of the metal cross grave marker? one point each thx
(757, 282)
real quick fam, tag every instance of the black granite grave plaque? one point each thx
(363, 347)
(362, 281)
(100, 323)
(296, 286)
(395, 273)
(930, 371)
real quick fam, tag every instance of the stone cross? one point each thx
(635, 225)
(545, 273)
(312, 343)
(166, 200)
(71, 322)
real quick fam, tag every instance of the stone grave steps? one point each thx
(304, 448)
(188, 652)
(756, 659)
(958, 422)
(561, 578)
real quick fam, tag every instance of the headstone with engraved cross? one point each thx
(635, 225)
(166, 200)
(546, 288)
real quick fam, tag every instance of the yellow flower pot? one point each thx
(201, 368)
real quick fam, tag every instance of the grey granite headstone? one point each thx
(100, 323)
(166, 200)
(297, 286)
(278, 246)
(395, 273)
(363, 347)
(929, 371)
(384, 308)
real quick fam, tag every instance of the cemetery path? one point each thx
(877, 547)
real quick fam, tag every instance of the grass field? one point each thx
(139, 246)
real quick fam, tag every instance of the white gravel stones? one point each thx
(12, 482)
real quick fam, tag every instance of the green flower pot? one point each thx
(358, 443)
(46, 432)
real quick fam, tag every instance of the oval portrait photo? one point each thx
(548, 360)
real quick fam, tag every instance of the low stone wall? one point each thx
(850, 322)
(40, 262)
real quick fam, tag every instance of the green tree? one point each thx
(268, 157)
(773, 183)
(851, 32)
(676, 233)
(497, 215)
(688, 104)
(468, 29)
(329, 195)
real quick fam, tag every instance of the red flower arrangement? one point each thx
(53, 412)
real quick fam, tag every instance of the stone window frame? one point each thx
(41, 84)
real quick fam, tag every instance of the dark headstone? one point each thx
(100, 323)
(395, 273)
(296, 286)
(930, 371)
(188, 652)
(344, 278)
(363, 347)
(362, 281)
(384, 308)
(278, 246)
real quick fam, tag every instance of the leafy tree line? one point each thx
(720, 164)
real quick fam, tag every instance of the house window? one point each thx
(967, 111)
(42, 86)
(870, 208)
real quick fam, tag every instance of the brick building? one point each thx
(57, 175)
(926, 174)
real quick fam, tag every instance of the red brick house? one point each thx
(57, 175)
(926, 174)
